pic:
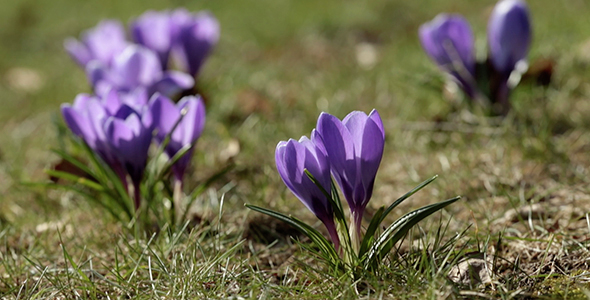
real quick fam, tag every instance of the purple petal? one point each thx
(196, 40)
(111, 101)
(131, 141)
(339, 146)
(106, 40)
(137, 66)
(96, 72)
(154, 30)
(78, 51)
(173, 82)
(370, 145)
(81, 101)
(77, 123)
(164, 114)
(194, 121)
(292, 158)
(448, 40)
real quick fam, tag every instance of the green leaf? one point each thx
(120, 192)
(325, 246)
(79, 191)
(382, 213)
(74, 162)
(370, 233)
(77, 179)
(406, 196)
(398, 230)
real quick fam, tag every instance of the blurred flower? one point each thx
(354, 147)
(137, 67)
(166, 115)
(110, 61)
(187, 37)
(101, 43)
(292, 158)
(509, 35)
(117, 132)
(448, 40)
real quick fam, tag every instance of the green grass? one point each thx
(524, 180)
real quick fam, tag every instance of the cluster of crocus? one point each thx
(449, 41)
(350, 151)
(133, 82)
(120, 129)
(161, 41)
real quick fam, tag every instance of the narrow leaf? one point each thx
(312, 233)
(398, 229)
(77, 179)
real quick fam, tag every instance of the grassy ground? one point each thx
(278, 65)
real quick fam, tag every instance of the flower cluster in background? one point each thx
(135, 82)
(164, 54)
(449, 41)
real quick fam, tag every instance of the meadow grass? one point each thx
(524, 179)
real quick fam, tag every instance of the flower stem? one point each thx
(136, 195)
(356, 231)
(333, 235)
(177, 199)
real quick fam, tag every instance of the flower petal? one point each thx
(154, 30)
(78, 51)
(173, 82)
(196, 40)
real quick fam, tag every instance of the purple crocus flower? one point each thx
(195, 35)
(354, 147)
(292, 158)
(101, 43)
(110, 127)
(137, 67)
(509, 35)
(166, 115)
(448, 40)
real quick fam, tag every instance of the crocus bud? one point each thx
(292, 158)
(448, 40)
(354, 147)
(509, 35)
